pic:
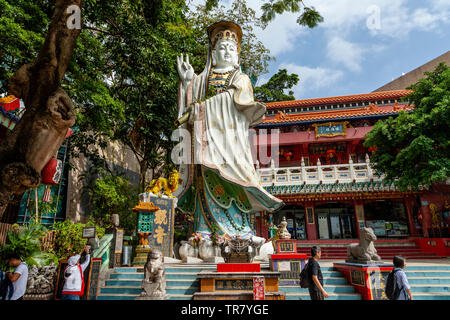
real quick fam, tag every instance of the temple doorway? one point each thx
(335, 221)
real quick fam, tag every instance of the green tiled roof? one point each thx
(370, 186)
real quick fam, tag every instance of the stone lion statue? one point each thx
(154, 283)
(364, 251)
(165, 186)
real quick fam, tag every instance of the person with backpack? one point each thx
(73, 287)
(397, 286)
(18, 278)
(6, 287)
(311, 276)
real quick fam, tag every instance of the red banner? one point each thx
(258, 288)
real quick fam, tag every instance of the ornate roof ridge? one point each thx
(340, 114)
(339, 99)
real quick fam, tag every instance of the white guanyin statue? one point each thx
(220, 185)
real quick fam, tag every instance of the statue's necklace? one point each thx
(220, 81)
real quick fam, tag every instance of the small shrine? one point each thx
(146, 211)
(286, 260)
(239, 278)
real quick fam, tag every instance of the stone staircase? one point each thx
(335, 285)
(386, 249)
(429, 281)
(125, 283)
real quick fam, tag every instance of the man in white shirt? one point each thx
(73, 287)
(19, 277)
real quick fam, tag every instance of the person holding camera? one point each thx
(73, 287)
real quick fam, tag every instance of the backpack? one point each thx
(73, 280)
(5, 284)
(304, 277)
(391, 289)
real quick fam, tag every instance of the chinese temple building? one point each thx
(324, 174)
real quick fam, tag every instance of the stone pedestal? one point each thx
(152, 287)
(141, 255)
(368, 279)
(287, 262)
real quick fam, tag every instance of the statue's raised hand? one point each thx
(185, 70)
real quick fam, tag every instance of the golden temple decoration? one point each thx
(161, 217)
(163, 185)
(145, 207)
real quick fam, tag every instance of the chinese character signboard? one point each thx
(163, 219)
(258, 288)
(331, 129)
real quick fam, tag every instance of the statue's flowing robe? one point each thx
(226, 186)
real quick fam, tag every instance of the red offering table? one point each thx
(238, 267)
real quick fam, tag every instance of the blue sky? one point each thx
(360, 46)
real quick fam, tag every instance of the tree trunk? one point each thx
(143, 166)
(49, 111)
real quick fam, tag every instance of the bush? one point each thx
(114, 194)
(25, 241)
(68, 239)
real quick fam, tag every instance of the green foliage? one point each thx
(68, 239)
(113, 194)
(25, 241)
(274, 89)
(414, 149)
(309, 17)
(22, 26)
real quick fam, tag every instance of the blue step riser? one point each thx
(133, 283)
(113, 290)
(431, 297)
(348, 289)
(444, 282)
(430, 289)
(116, 298)
(431, 274)
(306, 297)
(114, 283)
(137, 291)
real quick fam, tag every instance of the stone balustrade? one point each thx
(325, 174)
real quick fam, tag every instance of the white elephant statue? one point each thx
(187, 249)
(257, 243)
(206, 250)
(265, 250)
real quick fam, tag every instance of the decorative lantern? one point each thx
(46, 197)
(372, 149)
(52, 172)
(331, 153)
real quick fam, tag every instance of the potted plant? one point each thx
(25, 241)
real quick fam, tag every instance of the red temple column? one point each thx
(359, 214)
(409, 210)
(426, 215)
(311, 230)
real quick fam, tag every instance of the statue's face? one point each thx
(225, 54)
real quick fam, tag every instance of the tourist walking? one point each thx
(73, 287)
(316, 290)
(19, 277)
(400, 288)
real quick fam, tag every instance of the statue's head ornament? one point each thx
(225, 30)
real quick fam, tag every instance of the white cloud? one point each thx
(346, 53)
(312, 79)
